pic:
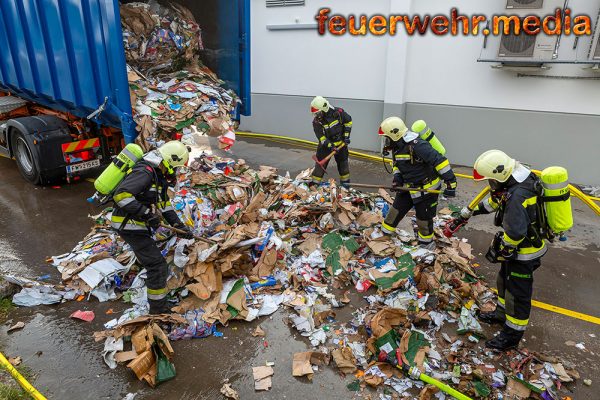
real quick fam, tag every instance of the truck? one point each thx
(65, 106)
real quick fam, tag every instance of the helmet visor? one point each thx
(314, 110)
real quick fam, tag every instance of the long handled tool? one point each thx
(324, 161)
(181, 231)
(395, 189)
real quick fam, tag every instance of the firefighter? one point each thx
(415, 165)
(332, 127)
(518, 249)
(141, 202)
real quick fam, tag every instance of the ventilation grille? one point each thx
(517, 46)
(284, 3)
(524, 4)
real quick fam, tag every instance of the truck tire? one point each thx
(26, 159)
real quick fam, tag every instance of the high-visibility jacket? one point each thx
(517, 214)
(144, 186)
(417, 164)
(335, 126)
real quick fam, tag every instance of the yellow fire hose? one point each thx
(19, 378)
(415, 373)
(587, 200)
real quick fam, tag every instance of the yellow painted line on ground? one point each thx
(563, 311)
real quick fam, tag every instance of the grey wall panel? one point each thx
(541, 139)
(290, 116)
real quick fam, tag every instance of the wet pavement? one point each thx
(38, 222)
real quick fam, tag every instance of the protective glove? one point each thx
(152, 220)
(327, 144)
(347, 140)
(450, 190)
(500, 250)
(186, 233)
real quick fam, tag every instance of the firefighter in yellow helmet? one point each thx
(416, 165)
(332, 127)
(518, 248)
(141, 191)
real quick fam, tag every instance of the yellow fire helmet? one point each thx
(393, 128)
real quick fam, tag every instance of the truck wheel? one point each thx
(25, 158)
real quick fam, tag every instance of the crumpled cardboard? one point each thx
(344, 359)
(266, 263)
(385, 195)
(302, 362)
(144, 365)
(310, 244)
(517, 390)
(386, 319)
(367, 219)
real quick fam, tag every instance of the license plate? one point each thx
(82, 166)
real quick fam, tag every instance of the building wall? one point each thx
(470, 105)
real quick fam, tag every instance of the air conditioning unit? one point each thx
(530, 4)
(524, 47)
(517, 46)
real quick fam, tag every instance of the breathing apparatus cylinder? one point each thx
(110, 178)
(557, 200)
(428, 135)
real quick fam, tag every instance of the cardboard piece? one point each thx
(386, 319)
(367, 219)
(124, 356)
(262, 377)
(344, 359)
(302, 362)
(259, 332)
(312, 243)
(385, 195)
(229, 392)
(517, 390)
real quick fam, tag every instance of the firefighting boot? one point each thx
(507, 339)
(159, 306)
(493, 317)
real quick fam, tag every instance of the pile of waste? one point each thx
(172, 93)
(267, 242)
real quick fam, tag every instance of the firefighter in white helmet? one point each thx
(141, 191)
(519, 247)
(415, 165)
(332, 127)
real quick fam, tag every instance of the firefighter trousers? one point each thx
(150, 257)
(515, 289)
(425, 208)
(341, 159)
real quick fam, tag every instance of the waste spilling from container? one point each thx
(173, 94)
(268, 243)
